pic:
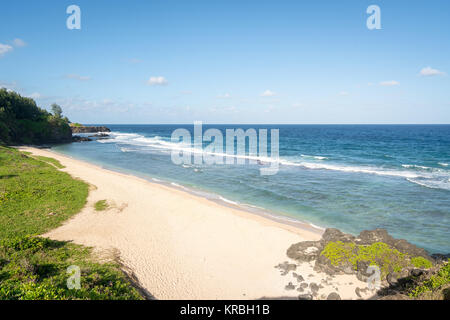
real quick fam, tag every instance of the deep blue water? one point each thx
(352, 177)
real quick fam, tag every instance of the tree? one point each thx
(57, 111)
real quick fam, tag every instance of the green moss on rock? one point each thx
(380, 254)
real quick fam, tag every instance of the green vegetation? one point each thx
(51, 161)
(76, 124)
(34, 198)
(421, 262)
(23, 122)
(101, 205)
(379, 254)
(435, 282)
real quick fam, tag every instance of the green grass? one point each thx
(437, 281)
(51, 161)
(35, 197)
(101, 205)
(380, 254)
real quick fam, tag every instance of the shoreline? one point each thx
(210, 196)
(182, 246)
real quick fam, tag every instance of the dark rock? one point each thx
(99, 135)
(358, 292)
(286, 267)
(314, 287)
(300, 289)
(416, 272)
(306, 296)
(290, 286)
(398, 278)
(89, 129)
(298, 277)
(446, 294)
(362, 273)
(406, 247)
(368, 237)
(305, 251)
(392, 279)
(440, 258)
(304, 285)
(332, 234)
(80, 139)
(334, 296)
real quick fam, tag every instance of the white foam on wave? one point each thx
(432, 183)
(313, 157)
(426, 176)
(414, 166)
(443, 164)
(228, 201)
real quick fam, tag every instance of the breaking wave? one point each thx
(438, 178)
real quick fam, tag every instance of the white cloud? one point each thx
(4, 48)
(19, 43)
(428, 71)
(78, 77)
(268, 93)
(157, 81)
(389, 83)
(343, 93)
(35, 95)
(297, 105)
(8, 85)
(224, 96)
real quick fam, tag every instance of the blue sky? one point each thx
(231, 61)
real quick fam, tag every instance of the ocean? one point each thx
(351, 177)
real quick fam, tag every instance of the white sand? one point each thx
(181, 246)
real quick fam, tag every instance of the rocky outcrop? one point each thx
(80, 139)
(402, 265)
(89, 129)
(307, 251)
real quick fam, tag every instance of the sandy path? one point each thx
(181, 246)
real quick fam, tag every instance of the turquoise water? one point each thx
(351, 177)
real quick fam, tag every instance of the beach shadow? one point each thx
(8, 176)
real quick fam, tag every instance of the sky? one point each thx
(283, 62)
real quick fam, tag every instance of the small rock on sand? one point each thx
(290, 286)
(333, 296)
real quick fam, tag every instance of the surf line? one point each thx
(214, 153)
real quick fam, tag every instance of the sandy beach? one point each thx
(181, 246)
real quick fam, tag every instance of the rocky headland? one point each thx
(77, 128)
(98, 130)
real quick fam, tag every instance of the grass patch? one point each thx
(51, 161)
(101, 205)
(35, 197)
(379, 254)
